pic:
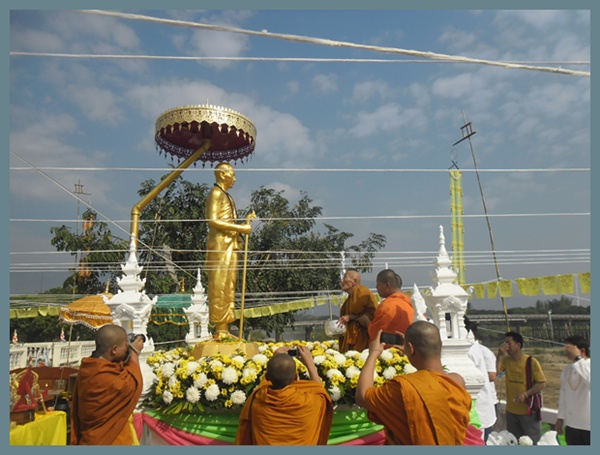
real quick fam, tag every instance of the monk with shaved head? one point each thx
(395, 312)
(428, 407)
(356, 313)
(108, 387)
(284, 410)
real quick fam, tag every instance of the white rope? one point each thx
(169, 169)
(338, 44)
(318, 218)
(268, 59)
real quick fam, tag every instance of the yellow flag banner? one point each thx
(506, 289)
(550, 285)
(584, 282)
(21, 313)
(492, 289)
(321, 300)
(529, 287)
(336, 300)
(479, 290)
(566, 284)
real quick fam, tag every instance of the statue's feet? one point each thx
(222, 335)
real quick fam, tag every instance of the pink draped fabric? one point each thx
(375, 439)
(474, 437)
(177, 437)
(138, 424)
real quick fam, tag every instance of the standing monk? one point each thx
(428, 407)
(356, 313)
(224, 242)
(395, 313)
(107, 391)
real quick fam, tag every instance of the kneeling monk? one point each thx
(283, 410)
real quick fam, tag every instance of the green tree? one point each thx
(172, 235)
(44, 329)
(290, 259)
(99, 252)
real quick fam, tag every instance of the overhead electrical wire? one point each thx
(337, 44)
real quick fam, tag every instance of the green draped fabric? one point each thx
(347, 425)
(169, 309)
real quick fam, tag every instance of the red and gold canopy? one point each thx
(182, 130)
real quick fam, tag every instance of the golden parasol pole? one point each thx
(250, 217)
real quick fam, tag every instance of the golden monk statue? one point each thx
(223, 244)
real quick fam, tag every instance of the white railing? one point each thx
(52, 354)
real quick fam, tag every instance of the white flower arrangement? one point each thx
(223, 382)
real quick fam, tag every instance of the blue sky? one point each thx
(370, 142)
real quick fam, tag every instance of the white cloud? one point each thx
(29, 40)
(106, 33)
(293, 86)
(540, 19)
(99, 104)
(365, 90)
(387, 118)
(206, 43)
(325, 83)
(292, 194)
(281, 139)
(459, 40)
(46, 144)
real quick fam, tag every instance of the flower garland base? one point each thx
(210, 348)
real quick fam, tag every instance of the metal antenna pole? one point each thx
(467, 130)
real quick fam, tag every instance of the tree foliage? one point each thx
(172, 235)
(99, 252)
(289, 257)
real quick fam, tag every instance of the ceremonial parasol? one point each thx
(90, 311)
(181, 131)
(197, 132)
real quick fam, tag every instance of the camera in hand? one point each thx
(293, 352)
(392, 338)
(133, 336)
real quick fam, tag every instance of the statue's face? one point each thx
(227, 177)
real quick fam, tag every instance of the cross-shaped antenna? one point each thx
(467, 132)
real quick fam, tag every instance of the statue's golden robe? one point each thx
(221, 263)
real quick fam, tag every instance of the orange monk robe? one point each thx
(421, 408)
(299, 414)
(361, 301)
(394, 314)
(104, 397)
